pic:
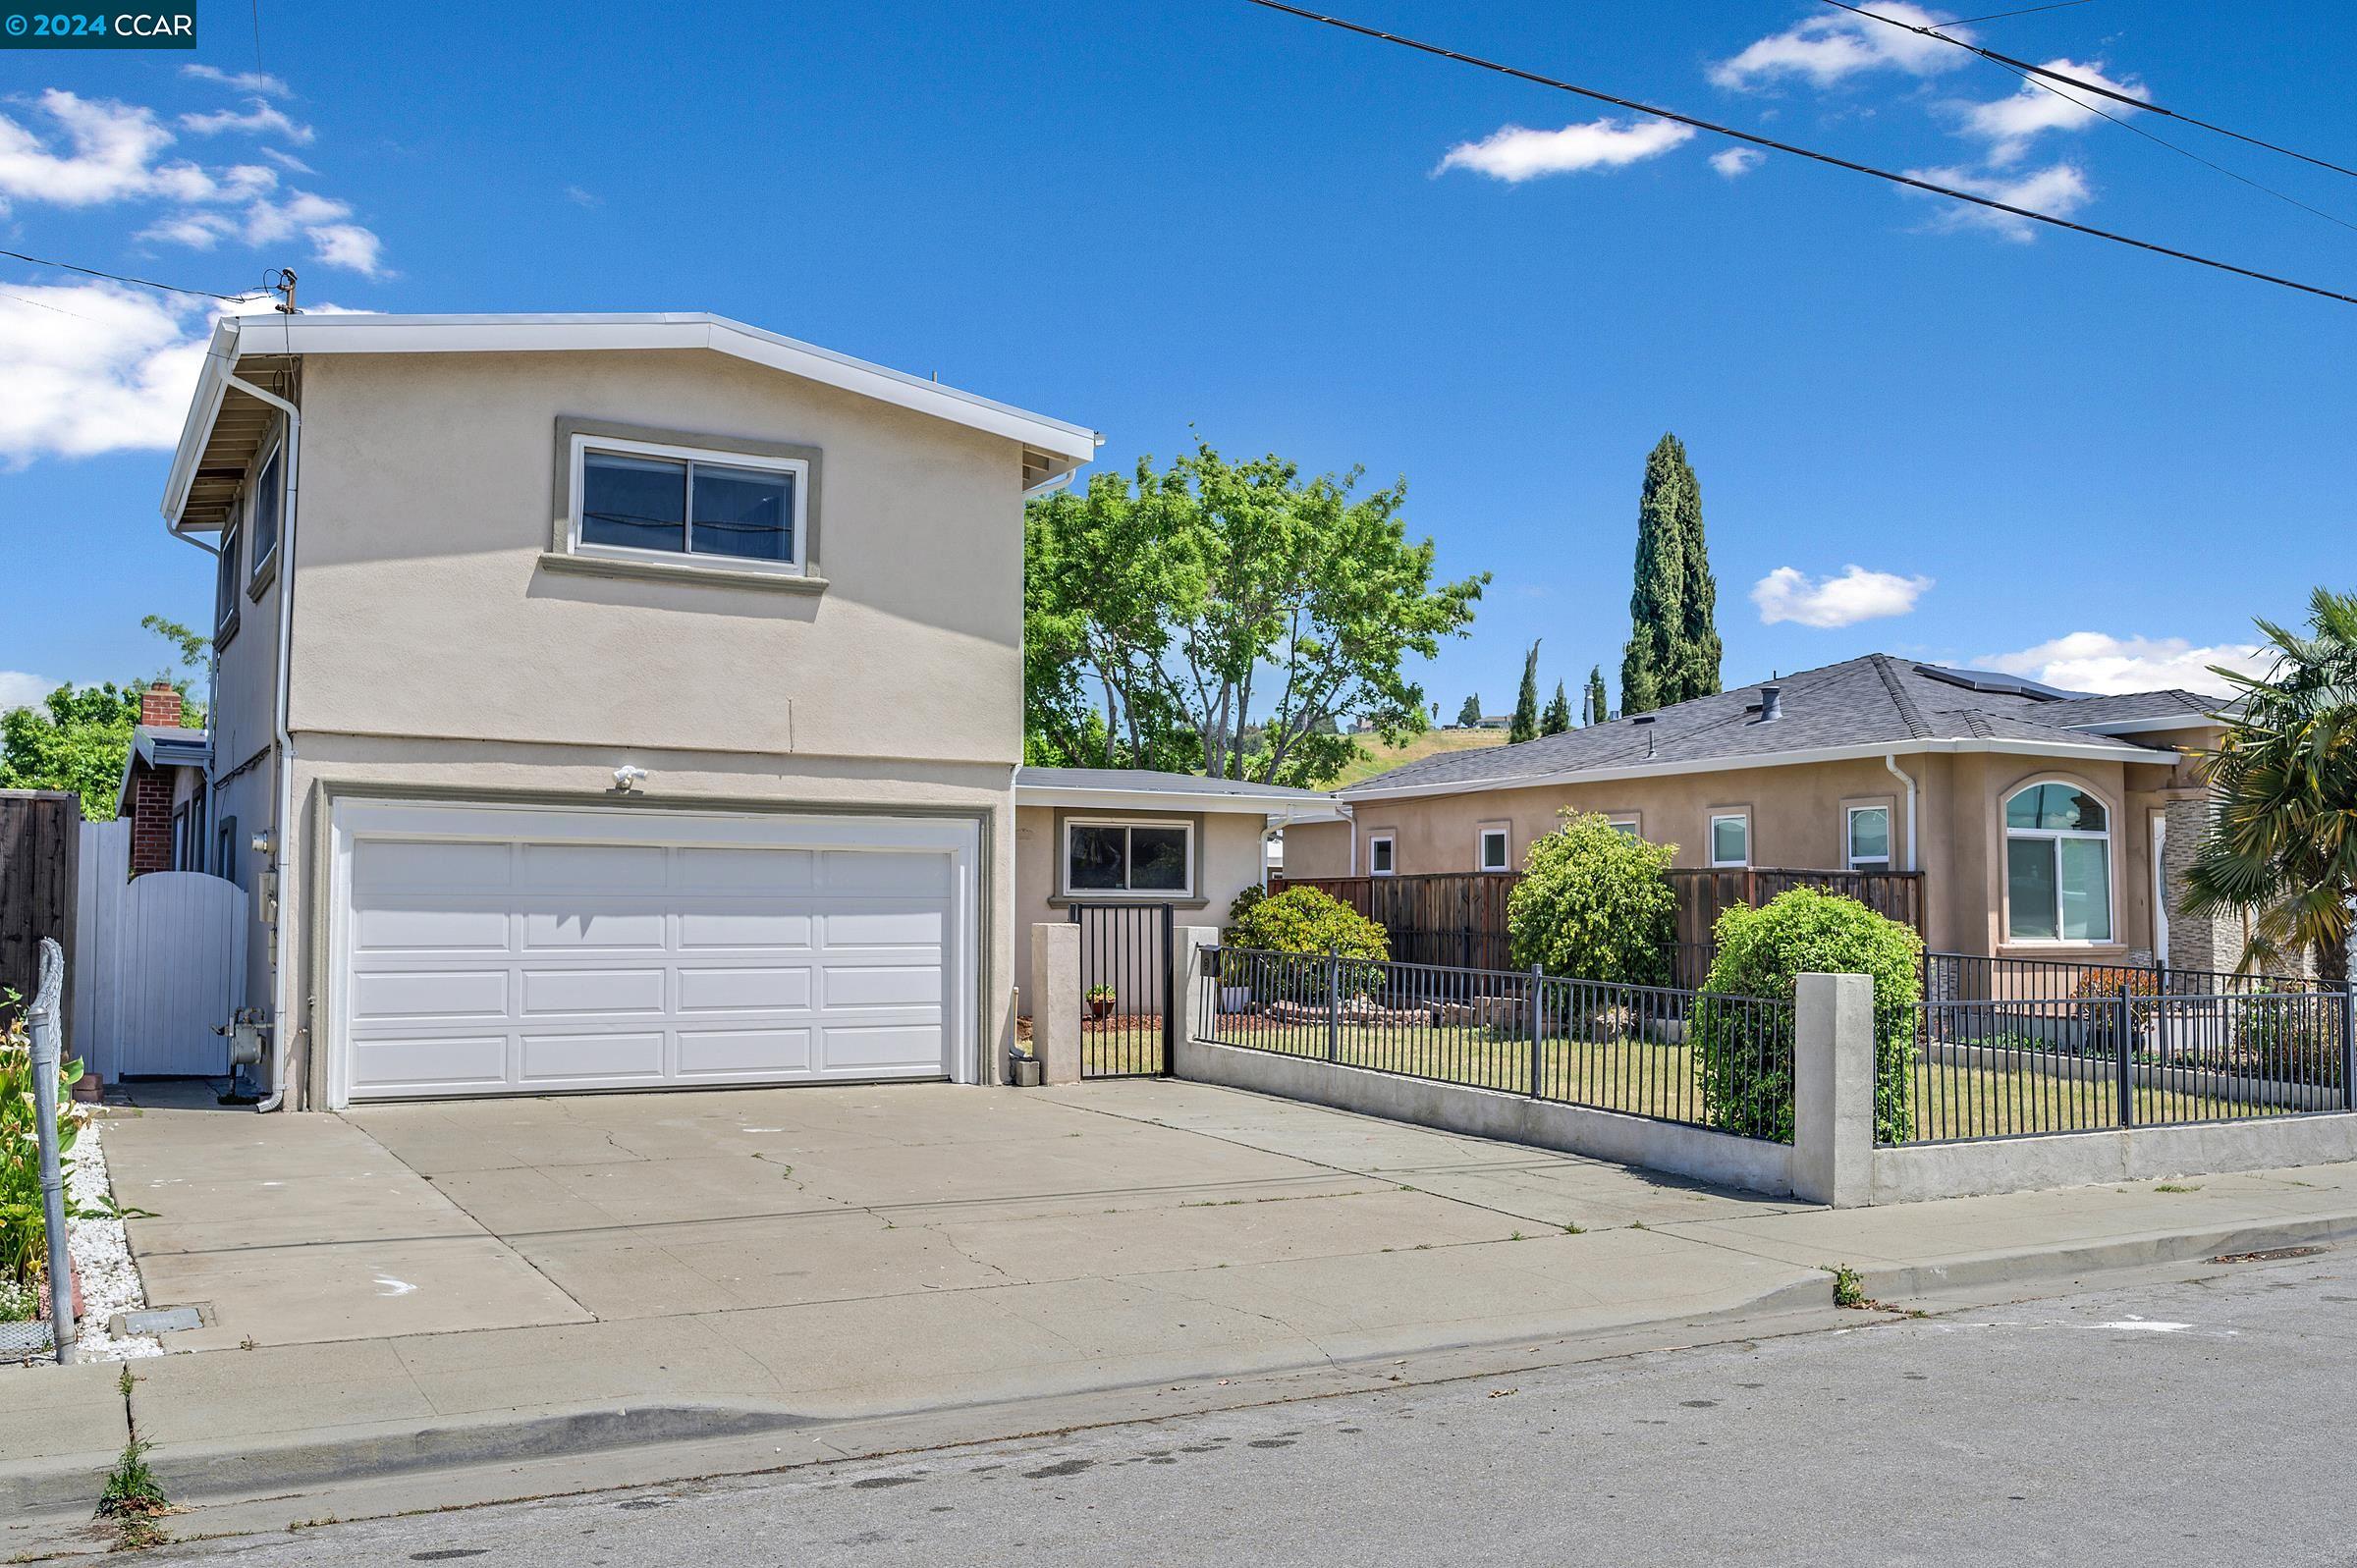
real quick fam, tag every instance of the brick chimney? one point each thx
(159, 707)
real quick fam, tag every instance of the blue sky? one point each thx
(1205, 216)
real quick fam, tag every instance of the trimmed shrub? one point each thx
(1747, 1061)
(1595, 903)
(1245, 903)
(1306, 920)
(2290, 1037)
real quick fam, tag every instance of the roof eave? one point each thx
(212, 385)
(1312, 808)
(2068, 750)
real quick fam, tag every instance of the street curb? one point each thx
(199, 1472)
(2048, 1264)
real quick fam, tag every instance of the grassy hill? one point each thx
(1431, 743)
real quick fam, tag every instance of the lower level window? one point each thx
(1494, 849)
(1128, 857)
(1380, 856)
(1870, 837)
(639, 497)
(2058, 866)
(1731, 841)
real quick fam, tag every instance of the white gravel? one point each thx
(110, 1280)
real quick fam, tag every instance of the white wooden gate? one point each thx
(160, 963)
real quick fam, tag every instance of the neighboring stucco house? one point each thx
(644, 710)
(2044, 822)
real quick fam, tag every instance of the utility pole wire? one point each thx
(1999, 16)
(117, 277)
(1893, 176)
(2133, 102)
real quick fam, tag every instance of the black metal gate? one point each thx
(1127, 1004)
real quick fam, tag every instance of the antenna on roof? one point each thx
(280, 280)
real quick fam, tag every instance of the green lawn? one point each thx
(1648, 1078)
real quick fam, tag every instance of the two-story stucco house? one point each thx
(611, 701)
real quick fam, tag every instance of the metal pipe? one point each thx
(281, 928)
(41, 1023)
(1891, 762)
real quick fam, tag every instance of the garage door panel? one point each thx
(562, 955)
(744, 1053)
(753, 928)
(779, 989)
(600, 1058)
(429, 994)
(880, 986)
(601, 991)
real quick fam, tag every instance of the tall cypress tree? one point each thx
(1558, 716)
(1599, 708)
(1652, 666)
(1526, 702)
(1699, 648)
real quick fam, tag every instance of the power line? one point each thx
(1770, 142)
(117, 277)
(2043, 86)
(1999, 16)
(2097, 87)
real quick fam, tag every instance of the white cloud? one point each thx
(1789, 594)
(581, 197)
(2010, 124)
(349, 246)
(1515, 153)
(260, 119)
(95, 367)
(1736, 162)
(288, 161)
(21, 689)
(2095, 660)
(240, 80)
(1827, 48)
(2060, 188)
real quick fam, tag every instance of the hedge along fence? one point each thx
(1595, 904)
(1762, 952)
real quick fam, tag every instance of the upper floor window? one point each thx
(637, 499)
(1869, 837)
(226, 577)
(2057, 865)
(1145, 857)
(266, 506)
(1731, 839)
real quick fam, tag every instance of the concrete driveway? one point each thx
(872, 1248)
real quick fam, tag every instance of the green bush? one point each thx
(24, 1222)
(1246, 901)
(1746, 1057)
(1305, 920)
(1595, 903)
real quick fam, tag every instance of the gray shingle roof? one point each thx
(1872, 700)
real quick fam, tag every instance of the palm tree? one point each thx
(2281, 849)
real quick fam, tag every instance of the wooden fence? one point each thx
(41, 835)
(1458, 918)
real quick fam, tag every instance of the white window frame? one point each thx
(689, 560)
(1850, 816)
(1634, 826)
(2007, 833)
(229, 582)
(273, 452)
(1711, 838)
(1389, 841)
(1063, 873)
(1481, 846)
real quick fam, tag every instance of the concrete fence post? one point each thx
(1056, 1001)
(1832, 1089)
(1197, 998)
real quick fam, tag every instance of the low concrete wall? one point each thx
(1913, 1173)
(1707, 1155)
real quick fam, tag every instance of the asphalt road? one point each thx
(2201, 1422)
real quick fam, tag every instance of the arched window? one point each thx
(2057, 865)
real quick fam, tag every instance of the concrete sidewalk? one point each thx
(594, 1273)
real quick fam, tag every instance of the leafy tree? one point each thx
(1468, 717)
(1183, 595)
(1598, 707)
(2281, 849)
(1674, 649)
(1594, 904)
(1745, 1053)
(77, 736)
(1558, 716)
(1525, 725)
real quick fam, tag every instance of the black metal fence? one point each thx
(1126, 989)
(1967, 976)
(1669, 1055)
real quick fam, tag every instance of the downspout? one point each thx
(282, 928)
(1891, 762)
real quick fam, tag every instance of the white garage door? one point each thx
(485, 950)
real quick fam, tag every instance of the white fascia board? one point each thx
(2069, 750)
(1307, 809)
(539, 334)
(212, 384)
(2138, 727)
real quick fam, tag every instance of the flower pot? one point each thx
(1100, 1008)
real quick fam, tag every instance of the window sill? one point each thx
(264, 574)
(1177, 900)
(662, 572)
(224, 631)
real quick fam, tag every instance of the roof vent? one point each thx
(1772, 705)
(1646, 719)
